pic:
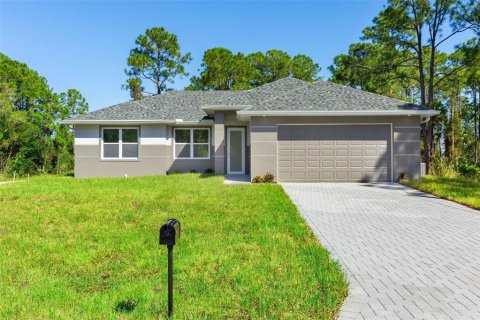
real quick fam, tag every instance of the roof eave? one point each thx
(96, 121)
(211, 108)
(244, 114)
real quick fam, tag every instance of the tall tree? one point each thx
(269, 66)
(222, 70)
(376, 68)
(304, 68)
(469, 56)
(276, 64)
(134, 85)
(415, 27)
(156, 58)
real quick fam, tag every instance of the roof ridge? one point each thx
(287, 78)
(365, 91)
(294, 90)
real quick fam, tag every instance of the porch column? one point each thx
(219, 143)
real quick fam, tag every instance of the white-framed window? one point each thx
(191, 143)
(119, 143)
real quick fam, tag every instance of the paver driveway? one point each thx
(408, 255)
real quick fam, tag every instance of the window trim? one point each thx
(120, 144)
(191, 143)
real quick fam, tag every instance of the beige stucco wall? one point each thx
(405, 133)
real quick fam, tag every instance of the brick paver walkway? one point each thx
(408, 255)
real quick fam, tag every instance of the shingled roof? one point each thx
(285, 95)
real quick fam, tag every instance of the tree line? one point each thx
(32, 140)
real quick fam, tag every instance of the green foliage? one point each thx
(277, 64)
(444, 167)
(376, 68)
(29, 91)
(304, 68)
(156, 58)
(224, 70)
(271, 66)
(451, 168)
(31, 138)
(469, 170)
(88, 249)
(134, 85)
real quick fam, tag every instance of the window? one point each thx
(192, 144)
(120, 143)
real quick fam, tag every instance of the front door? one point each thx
(236, 150)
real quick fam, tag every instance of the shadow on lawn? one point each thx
(126, 306)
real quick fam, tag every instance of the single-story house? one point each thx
(298, 131)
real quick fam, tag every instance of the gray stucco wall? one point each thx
(224, 120)
(155, 154)
(405, 135)
(156, 146)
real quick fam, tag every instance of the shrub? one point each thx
(257, 179)
(443, 167)
(469, 170)
(193, 171)
(209, 171)
(21, 165)
(268, 177)
(70, 174)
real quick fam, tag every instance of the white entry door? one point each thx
(236, 150)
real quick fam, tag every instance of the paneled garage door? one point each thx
(334, 153)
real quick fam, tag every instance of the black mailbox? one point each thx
(170, 232)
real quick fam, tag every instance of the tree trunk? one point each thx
(452, 130)
(426, 130)
(431, 73)
(476, 122)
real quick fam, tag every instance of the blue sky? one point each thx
(85, 44)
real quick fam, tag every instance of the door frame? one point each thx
(242, 130)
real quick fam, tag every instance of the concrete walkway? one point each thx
(12, 181)
(408, 255)
(236, 179)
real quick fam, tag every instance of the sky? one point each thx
(85, 44)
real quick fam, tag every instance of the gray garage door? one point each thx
(334, 153)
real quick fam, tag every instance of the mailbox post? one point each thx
(169, 233)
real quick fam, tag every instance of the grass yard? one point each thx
(89, 249)
(461, 190)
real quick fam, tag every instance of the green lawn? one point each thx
(89, 249)
(461, 190)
